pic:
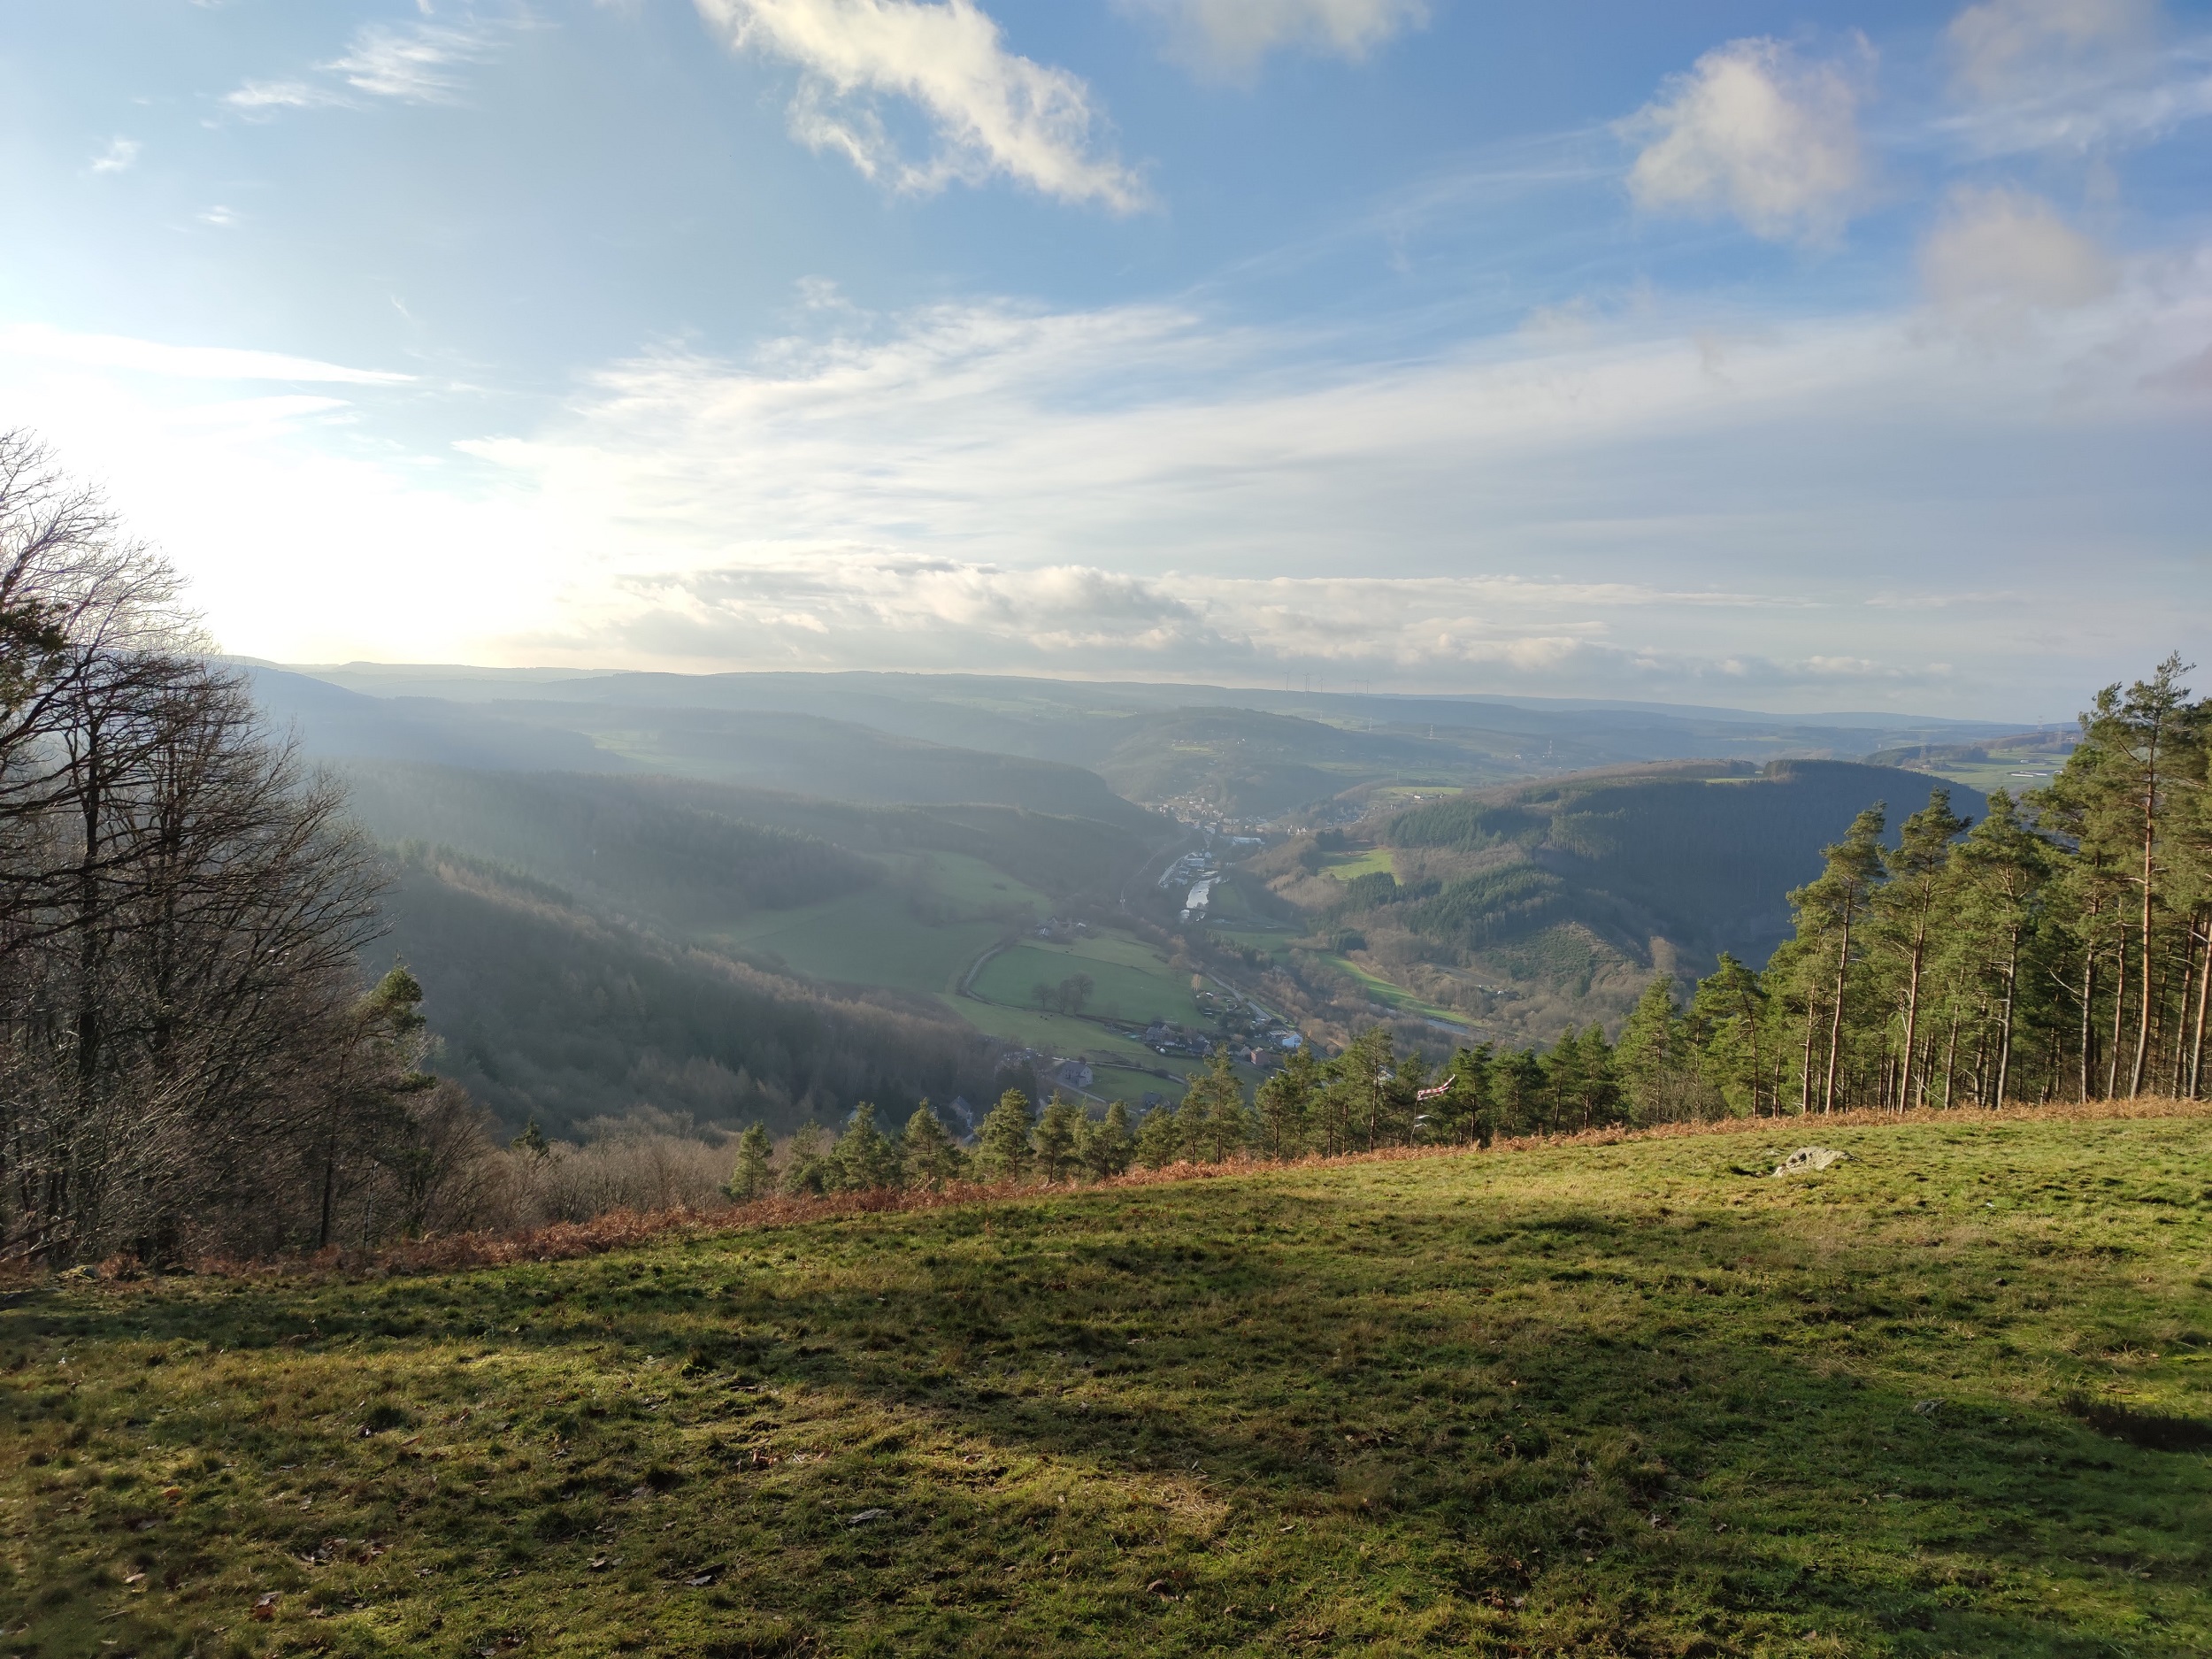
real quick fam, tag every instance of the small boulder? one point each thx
(1810, 1158)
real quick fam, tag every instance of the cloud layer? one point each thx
(990, 112)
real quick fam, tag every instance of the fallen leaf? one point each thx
(265, 1608)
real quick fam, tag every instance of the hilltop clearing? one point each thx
(1945, 1397)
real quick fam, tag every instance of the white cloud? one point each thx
(199, 362)
(417, 63)
(2000, 254)
(1752, 131)
(218, 216)
(118, 156)
(990, 110)
(258, 95)
(2001, 41)
(1233, 35)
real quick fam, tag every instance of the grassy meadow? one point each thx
(1638, 1397)
(923, 938)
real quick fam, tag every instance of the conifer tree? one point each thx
(863, 1161)
(1108, 1146)
(1057, 1141)
(1725, 1014)
(1160, 1137)
(932, 1158)
(1650, 1057)
(1907, 907)
(754, 1173)
(1003, 1152)
(1286, 1104)
(806, 1160)
(2002, 869)
(1830, 912)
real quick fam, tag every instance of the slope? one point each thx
(1622, 1399)
(1532, 908)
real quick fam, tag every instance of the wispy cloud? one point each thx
(990, 112)
(417, 63)
(199, 363)
(118, 156)
(1999, 44)
(1756, 132)
(1232, 36)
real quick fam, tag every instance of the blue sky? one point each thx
(1791, 356)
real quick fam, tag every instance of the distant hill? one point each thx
(1535, 906)
(1704, 860)
(1244, 752)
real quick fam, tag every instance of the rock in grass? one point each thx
(866, 1515)
(1810, 1158)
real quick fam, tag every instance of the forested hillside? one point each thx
(551, 1010)
(1533, 909)
(592, 943)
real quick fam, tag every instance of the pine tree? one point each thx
(1651, 1057)
(863, 1161)
(1725, 1014)
(933, 1158)
(755, 1170)
(1003, 1152)
(1057, 1140)
(1830, 912)
(1160, 1137)
(1108, 1146)
(2002, 869)
(1906, 908)
(1286, 1103)
(805, 1163)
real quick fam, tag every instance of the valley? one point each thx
(889, 847)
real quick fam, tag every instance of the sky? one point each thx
(1803, 358)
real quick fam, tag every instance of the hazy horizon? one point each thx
(1784, 357)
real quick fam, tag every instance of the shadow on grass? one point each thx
(1587, 1430)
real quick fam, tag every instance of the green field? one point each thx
(1396, 996)
(1139, 991)
(1372, 861)
(1062, 1035)
(1951, 1397)
(880, 936)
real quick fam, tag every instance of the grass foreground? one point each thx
(1950, 1396)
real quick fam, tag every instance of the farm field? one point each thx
(1952, 1396)
(1062, 1034)
(1139, 990)
(875, 936)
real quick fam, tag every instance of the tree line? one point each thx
(187, 1056)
